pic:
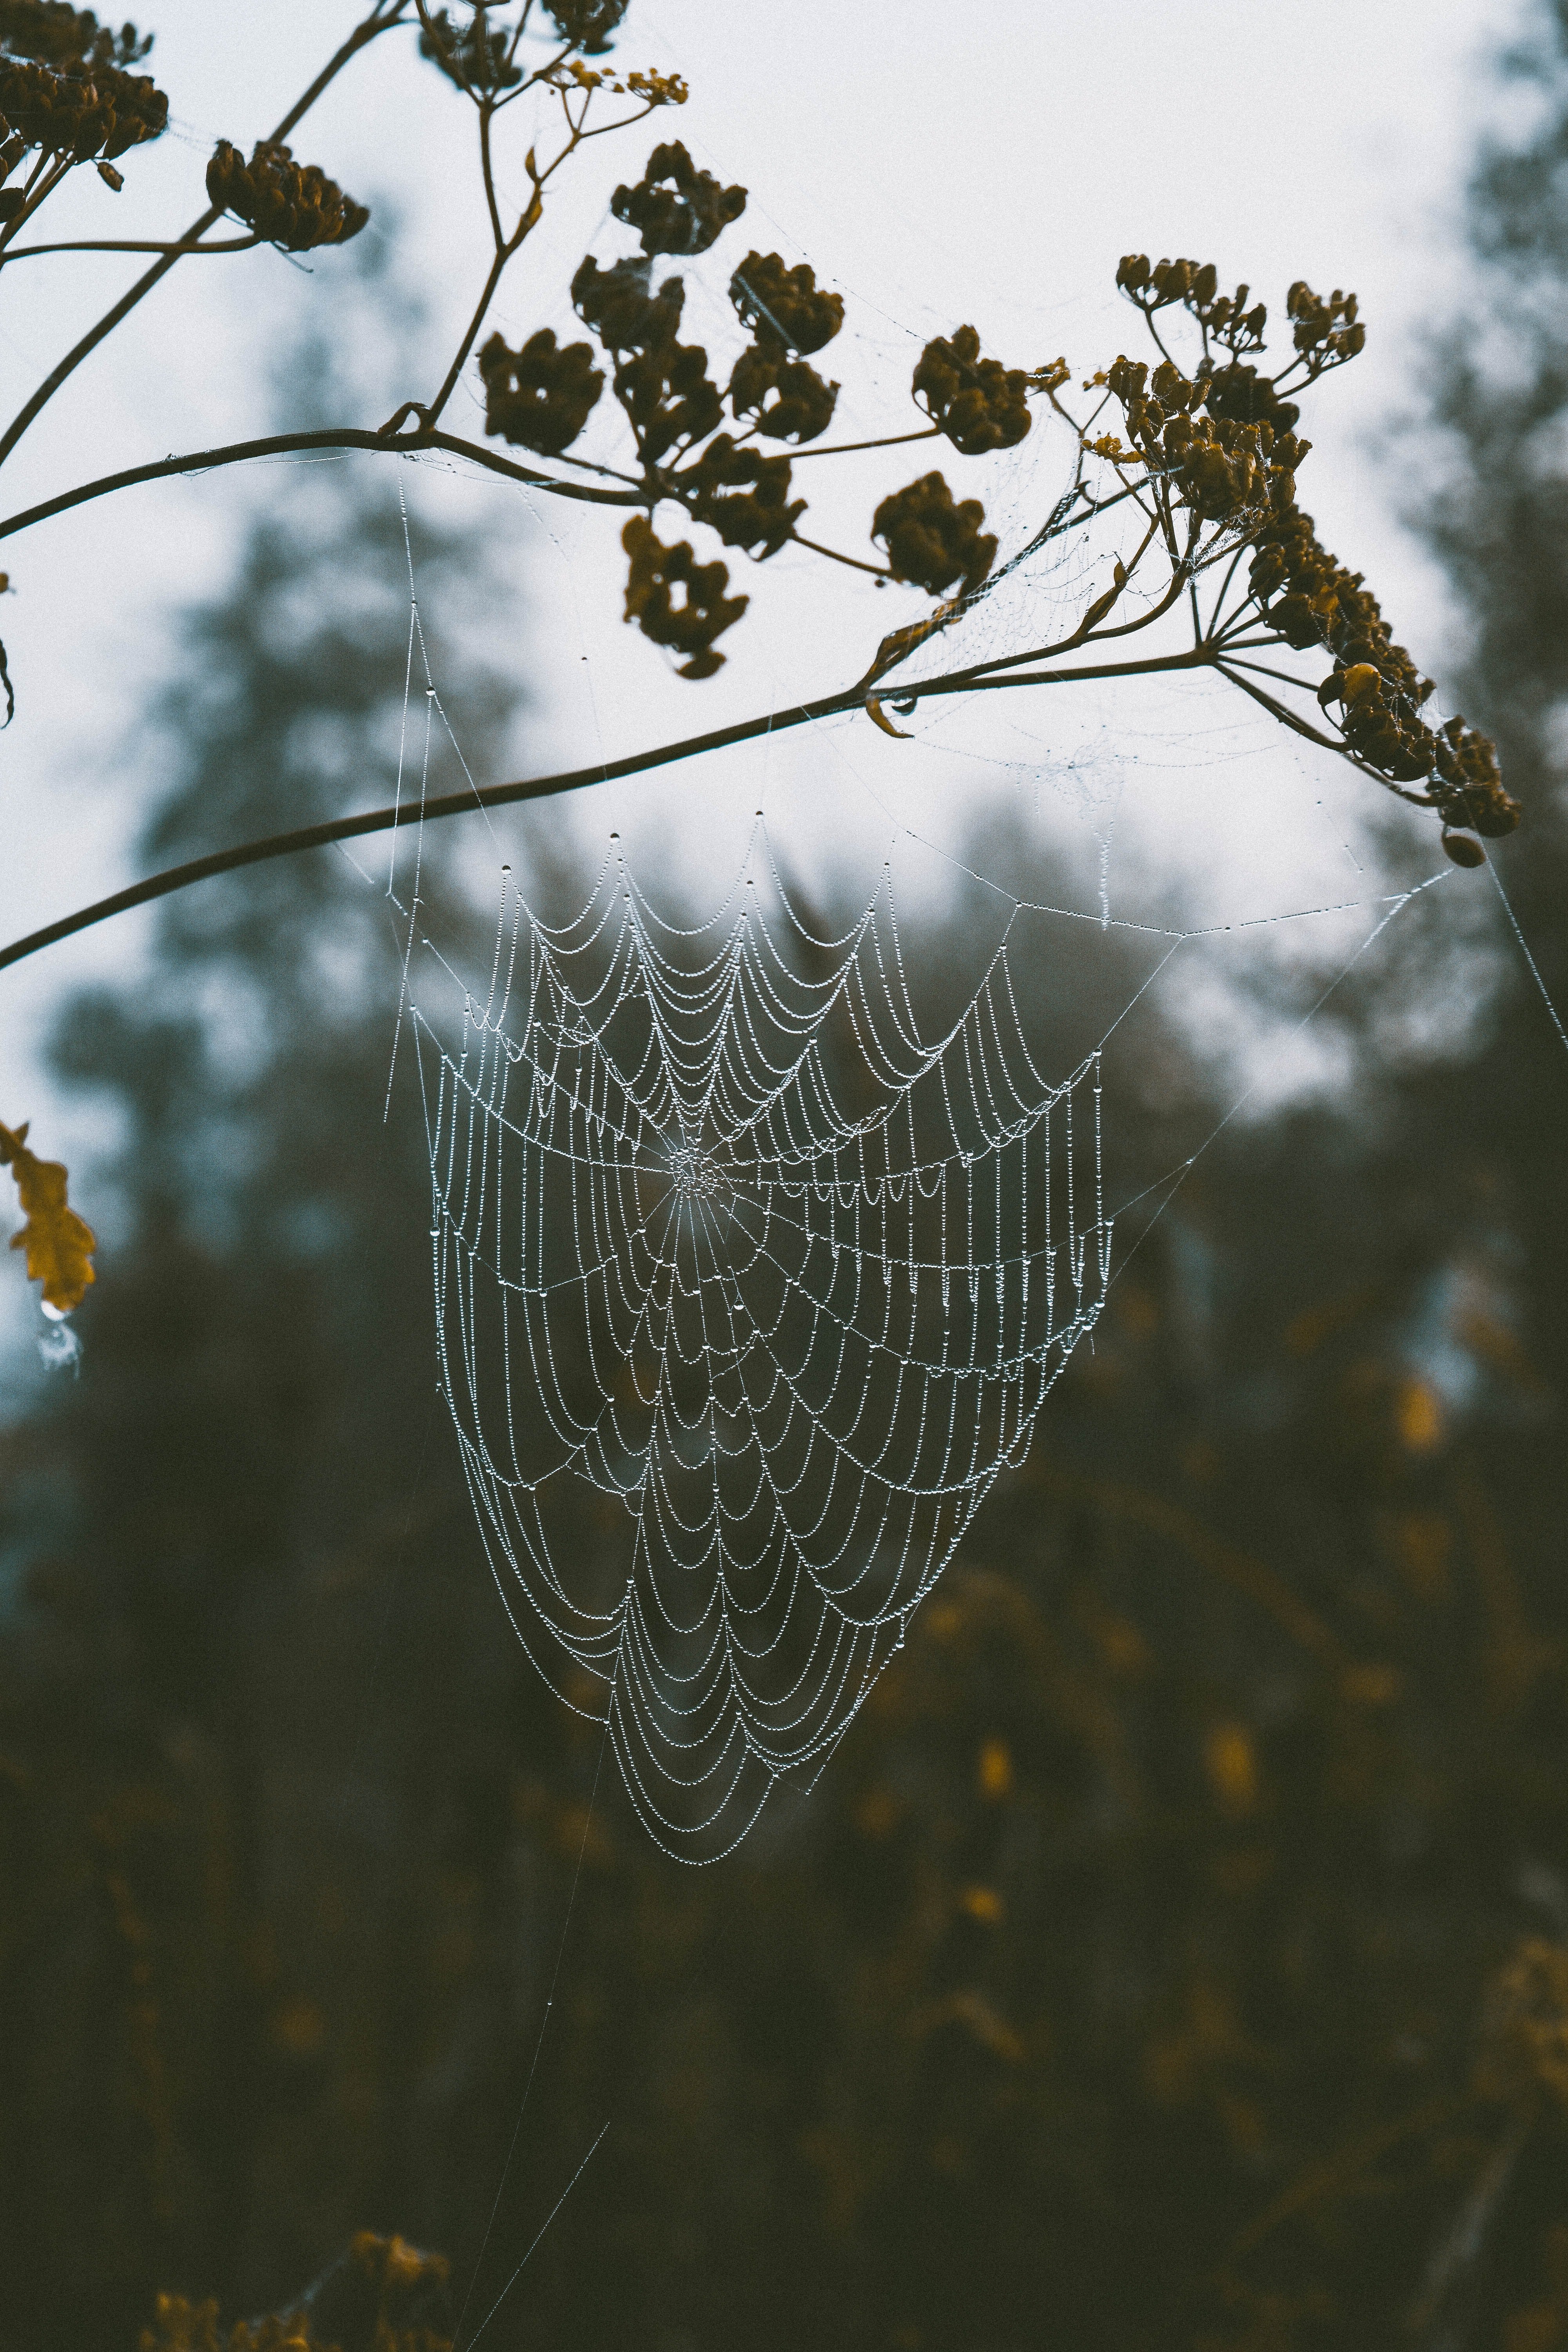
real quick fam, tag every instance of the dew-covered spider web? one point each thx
(752, 1274)
(722, 1235)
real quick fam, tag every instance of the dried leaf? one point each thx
(59, 1243)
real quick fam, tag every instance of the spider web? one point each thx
(721, 1234)
(730, 1246)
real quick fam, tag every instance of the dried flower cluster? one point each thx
(654, 88)
(474, 55)
(661, 383)
(1225, 319)
(587, 24)
(1206, 457)
(979, 403)
(1313, 600)
(1221, 467)
(1221, 443)
(381, 2295)
(672, 403)
(784, 399)
(742, 495)
(933, 541)
(79, 115)
(540, 397)
(705, 611)
(290, 205)
(56, 34)
(784, 307)
(65, 91)
(674, 207)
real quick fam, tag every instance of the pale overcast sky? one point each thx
(937, 163)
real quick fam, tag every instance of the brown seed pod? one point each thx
(292, 205)
(690, 626)
(81, 114)
(785, 399)
(785, 306)
(742, 495)
(932, 541)
(541, 396)
(588, 25)
(674, 207)
(979, 403)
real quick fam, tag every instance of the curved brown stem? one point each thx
(877, 570)
(127, 245)
(450, 381)
(95, 335)
(382, 18)
(461, 803)
(1287, 718)
(887, 441)
(385, 820)
(283, 445)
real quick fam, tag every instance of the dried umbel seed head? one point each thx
(1326, 333)
(785, 306)
(1154, 288)
(742, 495)
(541, 396)
(1225, 319)
(1248, 398)
(97, 113)
(1223, 469)
(785, 399)
(290, 205)
(933, 542)
(705, 611)
(588, 25)
(979, 403)
(616, 303)
(663, 384)
(669, 397)
(1375, 684)
(1220, 469)
(470, 55)
(55, 34)
(674, 207)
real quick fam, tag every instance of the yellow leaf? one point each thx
(1230, 1762)
(1420, 1416)
(58, 1244)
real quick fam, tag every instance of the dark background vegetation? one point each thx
(1176, 1955)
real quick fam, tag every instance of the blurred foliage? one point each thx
(380, 2295)
(1176, 1953)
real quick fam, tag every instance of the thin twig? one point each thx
(382, 19)
(282, 445)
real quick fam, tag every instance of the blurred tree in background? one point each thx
(1176, 1953)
